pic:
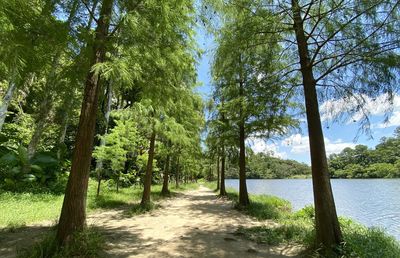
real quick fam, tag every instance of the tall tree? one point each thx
(340, 47)
(73, 213)
(253, 98)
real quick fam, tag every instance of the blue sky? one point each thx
(295, 146)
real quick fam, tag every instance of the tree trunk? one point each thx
(222, 190)
(99, 163)
(44, 112)
(73, 213)
(6, 102)
(63, 133)
(49, 88)
(177, 173)
(149, 171)
(243, 195)
(165, 190)
(218, 173)
(327, 226)
(117, 183)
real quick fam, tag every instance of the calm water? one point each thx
(373, 202)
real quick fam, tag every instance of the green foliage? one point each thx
(18, 171)
(361, 241)
(361, 162)
(261, 165)
(262, 206)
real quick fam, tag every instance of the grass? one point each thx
(87, 243)
(20, 209)
(298, 228)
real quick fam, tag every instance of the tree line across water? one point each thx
(106, 88)
(383, 161)
(361, 162)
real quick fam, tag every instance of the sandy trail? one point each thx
(194, 224)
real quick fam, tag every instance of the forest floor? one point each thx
(194, 224)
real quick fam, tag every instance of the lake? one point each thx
(372, 202)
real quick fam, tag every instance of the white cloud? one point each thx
(260, 145)
(394, 120)
(333, 109)
(299, 144)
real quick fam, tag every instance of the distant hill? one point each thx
(362, 162)
(263, 166)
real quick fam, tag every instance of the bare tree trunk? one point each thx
(68, 106)
(44, 112)
(165, 190)
(222, 191)
(149, 171)
(6, 102)
(327, 226)
(218, 172)
(99, 163)
(73, 213)
(47, 104)
(177, 173)
(243, 195)
(117, 183)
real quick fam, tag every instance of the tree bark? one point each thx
(243, 195)
(6, 102)
(165, 190)
(44, 112)
(218, 168)
(68, 105)
(223, 120)
(327, 226)
(222, 190)
(99, 163)
(149, 171)
(177, 173)
(73, 213)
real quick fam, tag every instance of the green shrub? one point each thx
(360, 241)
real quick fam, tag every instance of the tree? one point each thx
(246, 87)
(73, 213)
(342, 47)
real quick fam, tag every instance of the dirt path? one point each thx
(195, 224)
